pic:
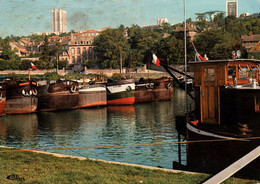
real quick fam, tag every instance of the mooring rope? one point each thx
(134, 145)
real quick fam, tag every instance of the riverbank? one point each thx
(36, 167)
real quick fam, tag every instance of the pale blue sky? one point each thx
(24, 17)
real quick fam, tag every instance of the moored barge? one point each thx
(227, 106)
(58, 95)
(93, 95)
(121, 92)
(21, 97)
(2, 97)
(149, 90)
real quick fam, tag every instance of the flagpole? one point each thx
(185, 56)
(29, 74)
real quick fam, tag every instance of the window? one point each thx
(209, 74)
(243, 72)
(231, 72)
(73, 59)
(257, 104)
(78, 59)
(73, 51)
(78, 51)
(84, 50)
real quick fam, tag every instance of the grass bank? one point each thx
(31, 167)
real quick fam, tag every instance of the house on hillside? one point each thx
(19, 49)
(254, 52)
(249, 41)
(190, 29)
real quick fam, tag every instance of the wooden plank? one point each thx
(236, 166)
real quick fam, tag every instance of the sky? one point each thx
(25, 17)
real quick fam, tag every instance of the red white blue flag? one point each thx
(33, 66)
(198, 56)
(68, 54)
(155, 59)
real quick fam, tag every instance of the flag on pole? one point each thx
(68, 54)
(33, 66)
(198, 56)
(154, 59)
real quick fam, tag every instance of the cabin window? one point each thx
(209, 74)
(231, 72)
(257, 104)
(243, 73)
(252, 72)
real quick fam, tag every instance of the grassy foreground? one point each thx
(30, 167)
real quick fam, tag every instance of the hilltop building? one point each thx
(161, 21)
(59, 21)
(232, 8)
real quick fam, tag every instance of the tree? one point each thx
(219, 19)
(45, 56)
(7, 52)
(108, 46)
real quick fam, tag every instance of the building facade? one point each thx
(59, 21)
(232, 8)
(161, 21)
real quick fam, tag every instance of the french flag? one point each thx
(68, 54)
(154, 59)
(33, 66)
(198, 56)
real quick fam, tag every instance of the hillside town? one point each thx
(78, 49)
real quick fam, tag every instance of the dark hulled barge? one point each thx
(149, 90)
(93, 95)
(227, 106)
(58, 95)
(21, 97)
(2, 97)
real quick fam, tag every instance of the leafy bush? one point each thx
(118, 76)
(51, 76)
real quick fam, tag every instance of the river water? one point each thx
(107, 126)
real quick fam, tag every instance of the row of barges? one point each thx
(19, 97)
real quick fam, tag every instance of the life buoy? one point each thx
(34, 91)
(73, 89)
(128, 88)
(169, 86)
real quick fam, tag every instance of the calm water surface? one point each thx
(106, 126)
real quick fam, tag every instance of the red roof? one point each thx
(22, 50)
(256, 48)
(91, 31)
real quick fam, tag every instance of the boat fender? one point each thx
(34, 92)
(169, 86)
(30, 92)
(23, 93)
(128, 88)
(1, 96)
(149, 86)
(73, 89)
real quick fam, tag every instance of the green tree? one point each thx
(45, 56)
(109, 45)
(8, 53)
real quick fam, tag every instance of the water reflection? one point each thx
(124, 125)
